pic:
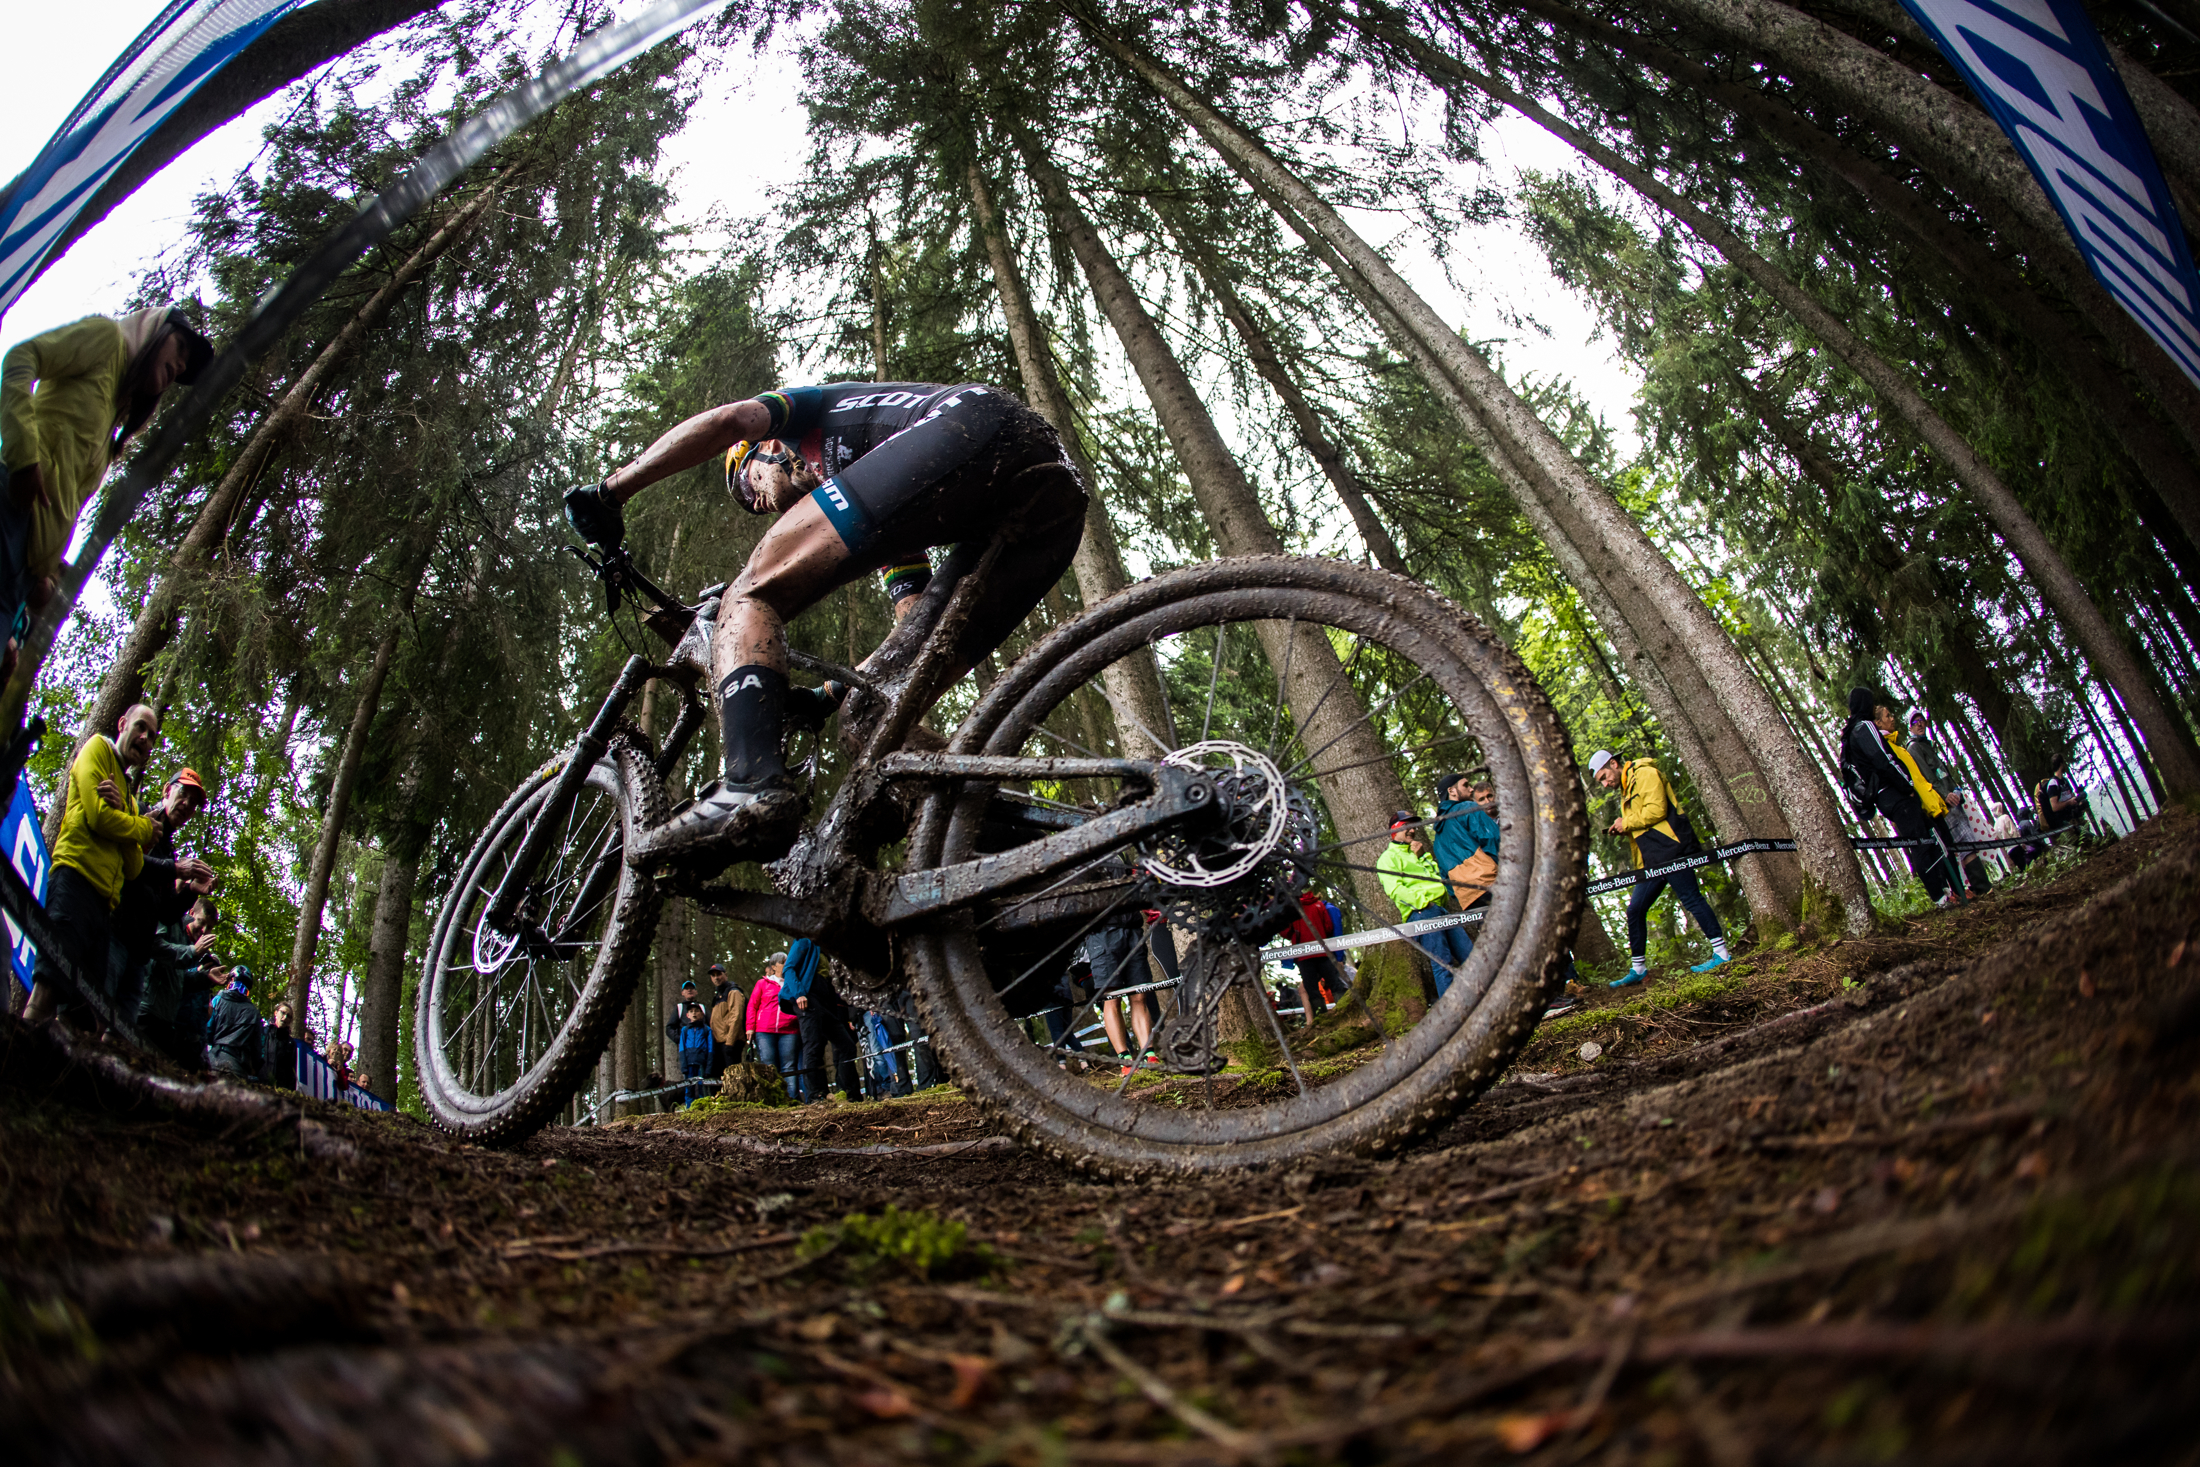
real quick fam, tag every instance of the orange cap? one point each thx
(189, 777)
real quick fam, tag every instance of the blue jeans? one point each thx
(783, 1052)
(1447, 947)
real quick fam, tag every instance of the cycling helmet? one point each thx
(737, 459)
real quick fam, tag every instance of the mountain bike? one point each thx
(1204, 746)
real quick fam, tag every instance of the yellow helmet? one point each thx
(737, 459)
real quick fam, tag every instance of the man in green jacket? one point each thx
(1410, 879)
(102, 845)
(69, 400)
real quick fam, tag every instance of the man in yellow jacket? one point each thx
(69, 400)
(1659, 832)
(102, 845)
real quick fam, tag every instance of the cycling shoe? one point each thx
(726, 824)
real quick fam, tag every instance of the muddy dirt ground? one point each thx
(1926, 1196)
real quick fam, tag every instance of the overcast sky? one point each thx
(58, 51)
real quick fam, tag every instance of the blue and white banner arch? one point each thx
(2042, 71)
(186, 43)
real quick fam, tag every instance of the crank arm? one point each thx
(1178, 794)
(1006, 766)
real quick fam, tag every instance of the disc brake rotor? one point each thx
(1240, 878)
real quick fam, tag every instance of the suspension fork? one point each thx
(504, 906)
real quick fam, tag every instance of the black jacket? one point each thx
(1885, 784)
(233, 1029)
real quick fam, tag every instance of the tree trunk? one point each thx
(1132, 685)
(1955, 141)
(2062, 342)
(124, 683)
(390, 938)
(1613, 547)
(323, 863)
(1314, 437)
(2167, 739)
(1362, 788)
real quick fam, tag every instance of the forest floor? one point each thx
(1924, 1196)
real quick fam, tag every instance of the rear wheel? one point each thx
(508, 1026)
(1317, 694)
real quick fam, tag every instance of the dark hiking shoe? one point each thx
(726, 824)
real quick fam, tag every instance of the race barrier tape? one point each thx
(1334, 945)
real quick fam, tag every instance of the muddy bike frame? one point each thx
(839, 899)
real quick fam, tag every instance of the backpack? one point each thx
(795, 979)
(1857, 785)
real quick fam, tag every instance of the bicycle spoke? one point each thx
(1367, 718)
(1283, 684)
(1078, 936)
(1344, 675)
(1124, 714)
(1397, 754)
(1214, 679)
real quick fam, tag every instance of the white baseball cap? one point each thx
(1598, 760)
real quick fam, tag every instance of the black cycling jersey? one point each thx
(834, 426)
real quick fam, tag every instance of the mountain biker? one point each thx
(863, 476)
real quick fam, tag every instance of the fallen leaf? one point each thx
(887, 1405)
(1827, 1200)
(2177, 953)
(818, 1328)
(973, 1374)
(2085, 984)
(1236, 1282)
(1987, 1017)
(2032, 1166)
(1523, 1434)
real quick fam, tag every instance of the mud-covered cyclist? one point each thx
(863, 476)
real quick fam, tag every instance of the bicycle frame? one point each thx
(839, 900)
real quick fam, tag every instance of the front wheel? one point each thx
(508, 1025)
(1322, 697)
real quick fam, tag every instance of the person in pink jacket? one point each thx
(774, 1032)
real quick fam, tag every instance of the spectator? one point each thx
(695, 1050)
(821, 1020)
(102, 844)
(924, 1068)
(1318, 978)
(1925, 753)
(1658, 833)
(69, 401)
(1072, 992)
(1411, 880)
(158, 895)
(773, 1028)
(339, 1060)
(2058, 800)
(1874, 780)
(1465, 846)
(1967, 828)
(1929, 798)
(726, 1018)
(689, 993)
(233, 1043)
(1106, 960)
(1484, 795)
(178, 989)
(890, 1069)
(279, 1052)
